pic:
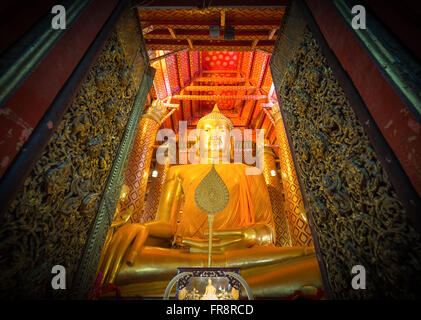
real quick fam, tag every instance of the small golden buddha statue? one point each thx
(142, 258)
(210, 293)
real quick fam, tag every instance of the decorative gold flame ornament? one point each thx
(211, 196)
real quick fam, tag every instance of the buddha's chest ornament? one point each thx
(211, 196)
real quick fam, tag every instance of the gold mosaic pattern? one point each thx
(137, 171)
(297, 220)
(277, 200)
(154, 192)
(159, 81)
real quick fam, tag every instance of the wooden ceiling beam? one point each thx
(218, 88)
(219, 97)
(270, 129)
(198, 4)
(260, 119)
(195, 25)
(172, 33)
(264, 50)
(247, 110)
(223, 18)
(219, 71)
(252, 115)
(265, 125)
(166, 55)
(190, 43)
(272, 33)
(254, 44)
(203, 34)
(221, 80)
(210, 47)
(147, 28)
(216, 43)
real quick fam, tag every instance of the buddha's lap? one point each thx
(160, 264)
(274, 280)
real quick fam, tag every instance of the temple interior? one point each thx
(117, 173)
(189, 84)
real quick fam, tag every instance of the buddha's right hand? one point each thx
(121, 245)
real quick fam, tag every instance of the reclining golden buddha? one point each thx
(142, 258)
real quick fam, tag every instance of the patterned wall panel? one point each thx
(158, 82)
(172, 71)
(185, 67)
(246, 63)
(259, 64)
(163, 64)
(195, 63)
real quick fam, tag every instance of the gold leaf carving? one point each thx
(211, 195)
(358, 217)
(49, 221)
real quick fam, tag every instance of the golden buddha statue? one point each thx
(142, 258)
(210, 293)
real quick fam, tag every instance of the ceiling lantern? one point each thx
(229, 33)
(214, 32)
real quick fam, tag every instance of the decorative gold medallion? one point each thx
(212, 195)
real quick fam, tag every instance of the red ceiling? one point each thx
(176, 72)
(219, 60)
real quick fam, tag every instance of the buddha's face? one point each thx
(214, 137)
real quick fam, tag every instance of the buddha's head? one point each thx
(214, 133)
